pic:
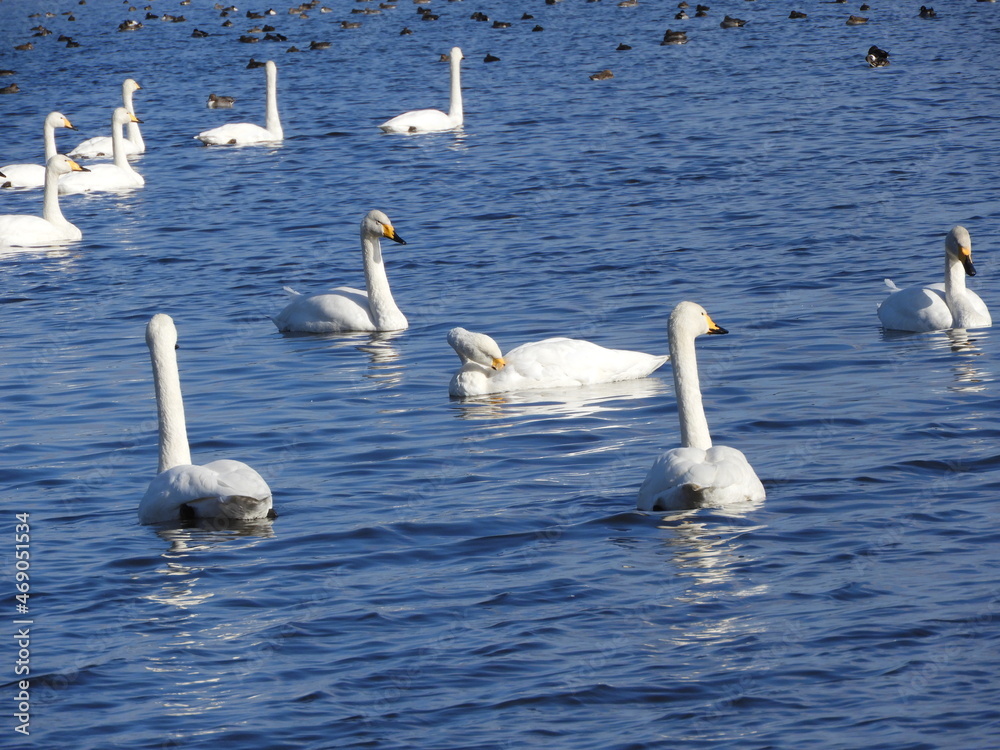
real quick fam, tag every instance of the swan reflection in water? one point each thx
(385, 368)
(965, 346)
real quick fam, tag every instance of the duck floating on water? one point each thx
(877, 58)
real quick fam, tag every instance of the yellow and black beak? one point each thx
(68, 124)
(498, 363)
(713, 328)
(389, 232)
(965, 255)
(133, 118)
(74, 167)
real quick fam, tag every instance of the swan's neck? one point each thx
(690, 411)
(385, 314)
(50, 142)
(455, 112)
(954, 277)
(272, 123)
(174, 450)
(50, 208)
(134, 134)
(118, 147)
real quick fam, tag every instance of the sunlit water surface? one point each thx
(449, 574)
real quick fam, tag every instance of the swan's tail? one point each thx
(291, 292)
(892, 285)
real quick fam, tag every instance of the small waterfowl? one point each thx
(732, 23)
(877, 58)
(10, 89)
(674, 37)
(601, 75)
(926, 12)
(215, 101)
(939, 306)
(797, 14)
(856, 20)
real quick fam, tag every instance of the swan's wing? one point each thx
(100, 177)
(341, 310)
(559, 362)
(102, 147)
(236, 134)
(971, 312)
(22, 176)
(915, 309)
(690, 477)
(418, 121)
(229, 489)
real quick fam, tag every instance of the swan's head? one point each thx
(161, 332)
(958, 244)
(456, 54)
(476, 347)
(124, 117)
(692, 319)
(377, 224)
(61, 164)
(270, 68)
(130, 86)
(58, 120)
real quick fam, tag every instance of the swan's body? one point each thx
(118, 175)
(345, 309)
(220, 489)
(103, 146)
(433, 120)
(245, 133)
(939, 306)
(698, 473)
(51, 228)
(33, 175)
(552, 363)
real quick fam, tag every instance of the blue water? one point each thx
(448, 574)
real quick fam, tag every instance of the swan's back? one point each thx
(220, 489)
(419, 120)
(25, 230)
(681, 478)
(564, 361)
(236, 134)
(916, 309)
(340, 310)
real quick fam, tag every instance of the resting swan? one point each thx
(345, 309)
(552, 363)
(245, 133)
(51, 228)
(33, 175)
(939, 306)
(103, 146)
(116, 176)
(220, 489)
(432, 120)
(698, 473)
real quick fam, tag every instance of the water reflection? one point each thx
(968, 369)
(706, 549)
(385, 368)
(569, 402)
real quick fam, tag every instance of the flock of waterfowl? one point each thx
(696, 473)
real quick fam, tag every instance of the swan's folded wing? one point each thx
(915, 309)
(341, 310)
(690, 477)
(206, 488)
(560, 362)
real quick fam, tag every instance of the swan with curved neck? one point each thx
(103, 145)
(51, 228)
(33, 175)
(552, 363)
(180, 490)
(939, 306)
(245, 133)
(433, 120)
(698, 473)
(118, 175)
(344, 309)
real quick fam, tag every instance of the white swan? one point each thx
(116, 176)
(51, 228)
(433, 120)
(245, 133)
(103, 146)
(345, 309)
(939, 306)
(220, 489)
(33, 175)
(552, 363)
(698, 473)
